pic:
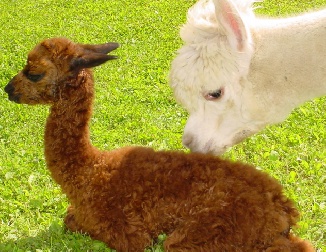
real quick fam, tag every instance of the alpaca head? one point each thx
(208, 74)
(51, 66)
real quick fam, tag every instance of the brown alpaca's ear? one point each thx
(90, 60)
(94, 55)
(102, 48)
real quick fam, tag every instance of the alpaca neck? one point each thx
(288, 66)
(67, 137)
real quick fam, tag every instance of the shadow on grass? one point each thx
(54, 239)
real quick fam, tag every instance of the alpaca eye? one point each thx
(214, 95)
(34, 77)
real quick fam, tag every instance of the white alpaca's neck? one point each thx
(289, 63)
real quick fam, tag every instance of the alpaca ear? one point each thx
(94, 55)
(101, 48)
(90, 60)
(231, 23)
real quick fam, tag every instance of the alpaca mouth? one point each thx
(14, 98)
(9, 89)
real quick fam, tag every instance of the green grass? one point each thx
(134, 105)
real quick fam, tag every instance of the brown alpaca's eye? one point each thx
(34, 77)
(214, 95)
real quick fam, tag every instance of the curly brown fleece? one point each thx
(127, 197)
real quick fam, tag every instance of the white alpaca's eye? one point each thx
(214, 95)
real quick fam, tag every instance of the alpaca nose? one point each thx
(9, 88)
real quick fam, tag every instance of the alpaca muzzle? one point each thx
(9, 89)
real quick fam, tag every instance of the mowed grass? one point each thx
(134, 105)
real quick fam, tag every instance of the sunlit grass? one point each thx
(134, 105)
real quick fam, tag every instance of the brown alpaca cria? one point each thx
(127, 197)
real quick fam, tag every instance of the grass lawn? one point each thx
(134, 105)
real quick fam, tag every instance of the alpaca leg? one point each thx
(70, 221)
(121, 240)
(121, 236)
(197, 236)
(206, 230)
(182, 241)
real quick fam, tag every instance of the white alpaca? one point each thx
(237, 73)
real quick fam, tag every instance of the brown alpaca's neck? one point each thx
(67, 139)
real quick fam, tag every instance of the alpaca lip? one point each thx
(14, 98)
(9, 89)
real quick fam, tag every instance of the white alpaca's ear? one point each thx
(231, 23)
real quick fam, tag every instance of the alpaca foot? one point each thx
(70, 222)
